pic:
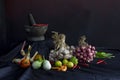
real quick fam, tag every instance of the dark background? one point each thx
(99, 20)
(2, 27)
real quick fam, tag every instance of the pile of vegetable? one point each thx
(63, 56)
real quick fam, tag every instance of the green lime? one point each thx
(70, 64)
(58, 63)
(74, 60)
(65, 61)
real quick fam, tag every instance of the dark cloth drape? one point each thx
(10, 71)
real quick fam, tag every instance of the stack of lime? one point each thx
(73, 61)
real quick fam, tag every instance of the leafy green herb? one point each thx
(104, 55)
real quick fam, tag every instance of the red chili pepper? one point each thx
(40, 25)
(76, 67)
(101, 61)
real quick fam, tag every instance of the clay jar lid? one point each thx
(40, 25)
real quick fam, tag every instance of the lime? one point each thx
(58, 63)
(65, 61)
(74, 60)
(70, 64)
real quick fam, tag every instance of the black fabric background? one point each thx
(10, 71)
(2, 27)
(98, 20)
